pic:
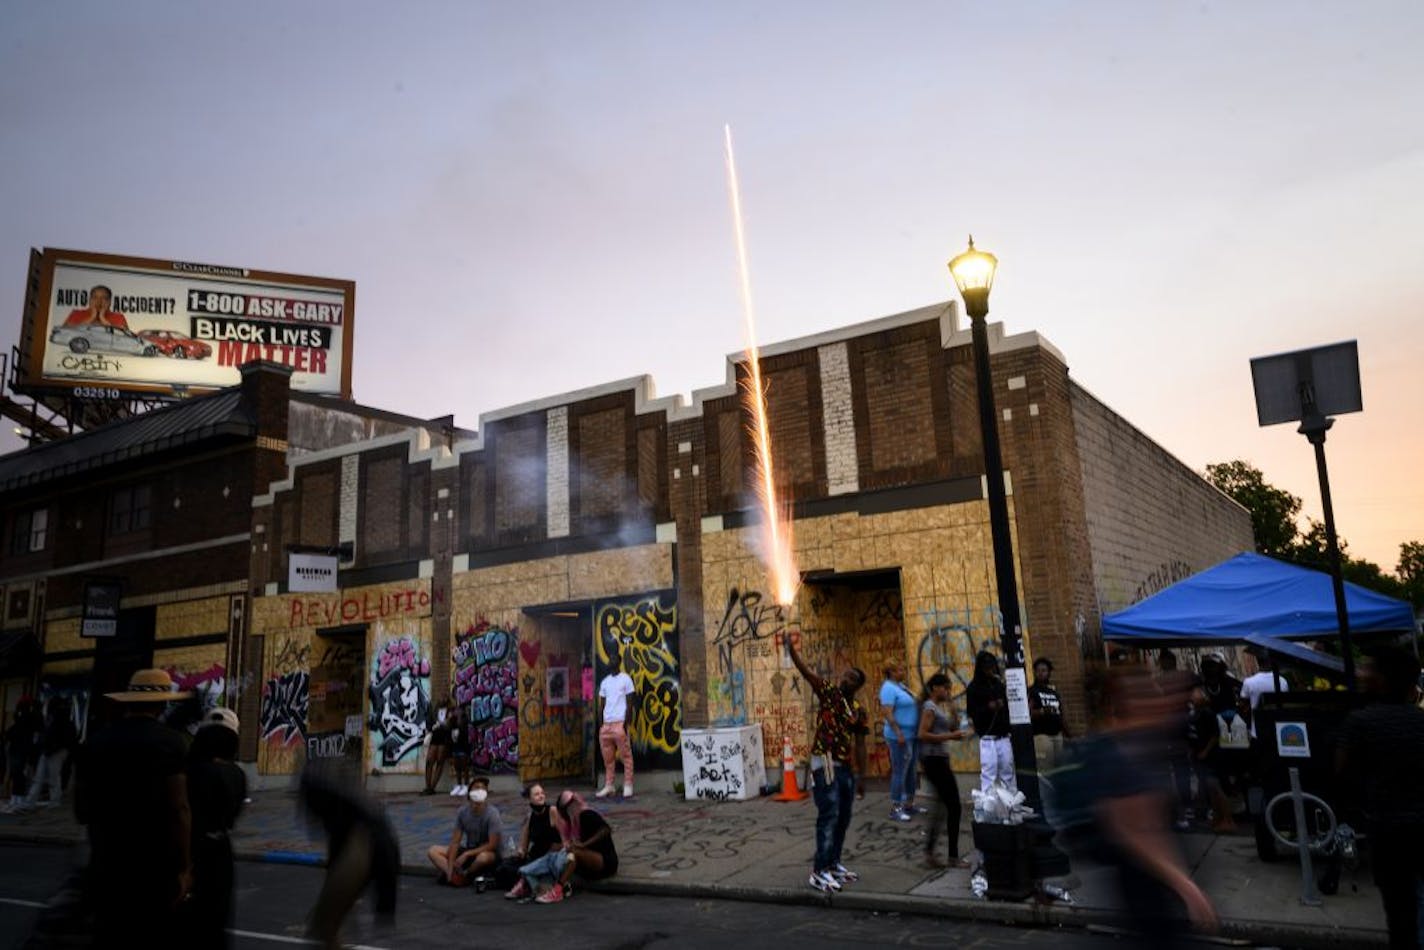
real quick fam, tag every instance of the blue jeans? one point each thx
(834, 800)
(901, 758)
(912, 775)
(545, 871)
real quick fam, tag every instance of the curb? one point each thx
(977, 911)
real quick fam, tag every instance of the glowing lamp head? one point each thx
(974, 276)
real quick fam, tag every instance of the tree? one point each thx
(1410, 571)
(1273, 510)
(1273, 520)
(1311, 550)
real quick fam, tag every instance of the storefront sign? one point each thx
(311, 573)
(101, 609)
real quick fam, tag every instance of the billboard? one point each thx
(102, 325)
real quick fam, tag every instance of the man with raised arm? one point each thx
(841, 727)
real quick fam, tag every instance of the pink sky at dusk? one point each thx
(530, 197)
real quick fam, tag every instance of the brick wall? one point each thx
(1151, 520)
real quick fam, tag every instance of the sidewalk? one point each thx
(761, 850)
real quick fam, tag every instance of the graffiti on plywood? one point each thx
(284, 707)
(400, 701)
(486, 667)
(643, 634)
(206, 685)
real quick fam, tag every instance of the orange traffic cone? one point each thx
(789, 792)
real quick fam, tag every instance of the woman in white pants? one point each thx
(987, 702)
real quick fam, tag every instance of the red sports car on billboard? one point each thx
(176, 344)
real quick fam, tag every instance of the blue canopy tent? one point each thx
(1253, 595)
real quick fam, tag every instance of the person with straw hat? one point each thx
(132, 794)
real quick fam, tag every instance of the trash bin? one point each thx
(1016, 857)
(1008, 859)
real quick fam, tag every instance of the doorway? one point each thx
(336, 697)
(857, 619)
(556, 735)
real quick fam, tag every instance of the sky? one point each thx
(531, 197)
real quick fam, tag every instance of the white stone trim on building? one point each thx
(838, 416)
(556, 480)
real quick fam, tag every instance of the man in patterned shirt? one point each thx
(841, 727)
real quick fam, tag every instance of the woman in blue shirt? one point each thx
(900, 714)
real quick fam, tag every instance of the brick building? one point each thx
(159, 505)
(503, 567)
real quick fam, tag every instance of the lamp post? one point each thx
(973, 273)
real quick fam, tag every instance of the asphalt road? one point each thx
(273, 901)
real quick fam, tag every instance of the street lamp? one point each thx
(974, 275)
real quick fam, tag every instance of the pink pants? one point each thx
(614, 739)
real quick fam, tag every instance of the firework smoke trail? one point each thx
(776, 523)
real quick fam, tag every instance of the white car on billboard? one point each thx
(101, 338)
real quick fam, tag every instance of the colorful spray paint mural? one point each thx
(400, 702)
(486, 670)
(643, 633)
(208, 685)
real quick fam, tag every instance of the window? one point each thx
(129, 510)
(30, 531)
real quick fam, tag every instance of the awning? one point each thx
(1254, 595)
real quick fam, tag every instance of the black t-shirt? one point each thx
(590, 823)
(439, 728)
(543, 836)
(1201, 729)
(1050, 723)
(991, 723)
(123, 797)
(216, 790)
(1385, 748)
(1223, 694)
(59, 734)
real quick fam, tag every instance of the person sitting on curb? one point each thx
(539, 838)
(588, 849)
(479, 824)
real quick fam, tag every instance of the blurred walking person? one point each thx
(361, 846)
(1134, 811)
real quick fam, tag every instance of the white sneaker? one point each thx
(843, 874)
(603, 792)
(627, 791)
(458, 790)
(824, 882)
